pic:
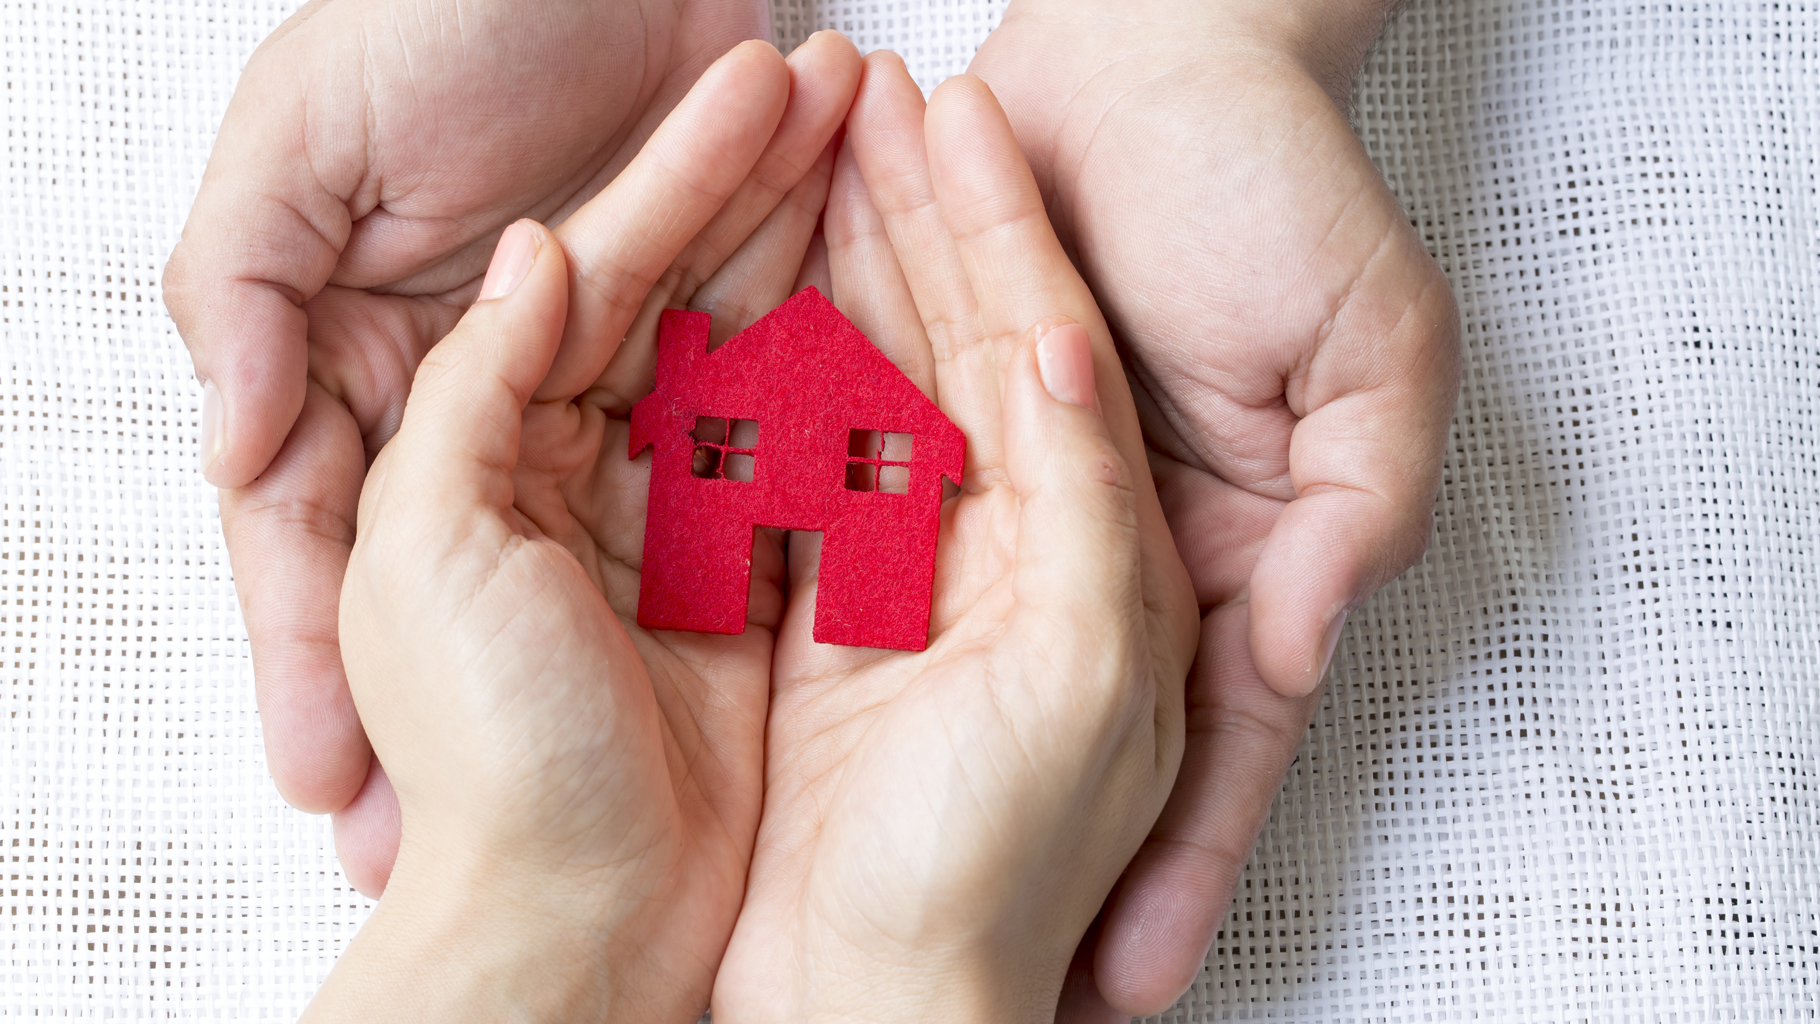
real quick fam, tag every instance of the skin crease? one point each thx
(579, 794)
(1335, 392)
(1295, 355)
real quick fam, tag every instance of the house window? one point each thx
(725, 449)
(878, 460)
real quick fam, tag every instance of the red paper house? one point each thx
(797, 422)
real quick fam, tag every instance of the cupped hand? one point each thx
(370, 158)
(941, 826)
(579, 795)
(1294, 351)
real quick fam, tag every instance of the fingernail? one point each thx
(511, 262)
(1328, 644)
(212, 426)
(1064, 359)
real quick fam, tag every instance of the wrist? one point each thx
(1007, 981)
(465, 941)
(926, 1000)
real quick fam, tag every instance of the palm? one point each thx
(1221, 276)
(841, 714)
(575, 485)
(456, 138)
(702, 734)
(858, 736)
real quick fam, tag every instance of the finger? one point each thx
(864, 278)
(262, 237)
(1219, 528)
(623, 240)
(1074, 491)
(462, 425)
(289, 533)
(367, 831)
(885, 130)
(762, 273)
(814, 272)
(711, 173)
(1365, 462)
(1080, 1001)
(1016, 267)
(1241, 738)
(824, 71)
(365, 348)
(754, 280)
(990, 206)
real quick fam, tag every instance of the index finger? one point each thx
(1019, 272)
(623, 240)
(711, 173)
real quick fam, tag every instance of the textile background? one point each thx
(1565, 768)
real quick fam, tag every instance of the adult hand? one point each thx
(369, 159)
(941, 826)
(1295, 356)
(579, 795)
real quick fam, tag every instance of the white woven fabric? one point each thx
(1566, 767)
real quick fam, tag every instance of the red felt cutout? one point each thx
(775, 428)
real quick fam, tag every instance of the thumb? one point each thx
(264, 234)
(1078, 524)
(1366, 463)
(466, 411)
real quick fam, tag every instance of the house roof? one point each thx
(800, 371)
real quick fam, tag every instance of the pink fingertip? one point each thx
(1064, 358)
(511, 262)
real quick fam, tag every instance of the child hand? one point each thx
(940, 827)
(578, 795)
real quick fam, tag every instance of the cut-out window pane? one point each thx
(878, 460)
(739, 466)
(711, 429)
(861, 476)
(894, 479)
(863, 444)
(725, 449)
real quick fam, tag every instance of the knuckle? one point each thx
(1403, 544)
(1255, 746)
(1416, 538)
(177, 285)
(1226, 848)
(1102, 468)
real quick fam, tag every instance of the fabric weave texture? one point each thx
(1565, 767)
